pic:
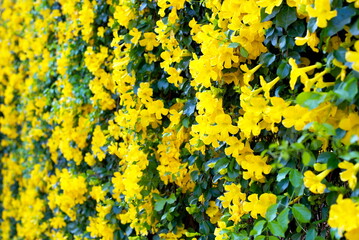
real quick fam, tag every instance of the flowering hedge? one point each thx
(179, 119)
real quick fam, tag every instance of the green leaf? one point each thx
(283, 70)
(243, 52)
(285, 17)
(189, 107)
(311, 234)
(258, 228)
(354, 29)
(295, 178)
(282, 173)
(347, 89)
(301, 213)
(271, 212)
(283, 219)
(337, 23)
(339, 54)
(310, 100)
(267, 59)
(276, 229)
(261, 237)
(272, 238)
(159, 204)
(233, 45)
(171, 199)
(329, 158)
(308, 158)
(221, 164)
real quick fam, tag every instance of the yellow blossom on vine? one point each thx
(136, 35)
(259, 206)
(269, 5)
(98, 193)
(256, 166)
(311, 39)
(349, 175)
(353, 56)
(213, 212)
(314, 182)
(322, 12)
(149, 41)
(233, 195)
(344, 215)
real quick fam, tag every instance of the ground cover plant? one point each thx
(179, 119)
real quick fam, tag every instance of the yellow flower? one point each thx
(353, 56)
(298, 72)
(344, 215)
(313, 182)
(149, 41)
(269, 5)
(232, 195)
(135, 34)
(256, 166)
(267, 86)
(235, 146)
(350, 174)
(100, 31)
(259, 206)
(322, 12)
(213, 212)
(157, 108)
(311, 39)
(97, 193)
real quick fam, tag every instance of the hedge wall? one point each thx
(179, 119)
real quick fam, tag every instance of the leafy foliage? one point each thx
(179, 119)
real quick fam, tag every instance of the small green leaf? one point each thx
(276, 229)
(221, 164)
(159, 204)
(233, 45)
(329, 158)
(258, 228)
(271, 212)
(311, 234)
(283, 70)
(308, 158)
(243, 52)
(261, 237)
(295, 178)
(285, 17)
(283, 219)
(267, 59)
(348, 89)
(354, 29)
(301, 213)
(282, 173)
(171, 199)
(337, 23)
(310, 100)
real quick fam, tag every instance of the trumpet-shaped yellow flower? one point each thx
(299, 72)
(322, 12)
(344, 215)
(349, 175)
(314, 182)
(311, 39)
(353, 56)
(149, 41)
(256, 166)
(269, 5)
(259, 206)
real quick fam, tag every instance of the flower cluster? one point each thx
(179, 119)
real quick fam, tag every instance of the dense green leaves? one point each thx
(301, 213)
